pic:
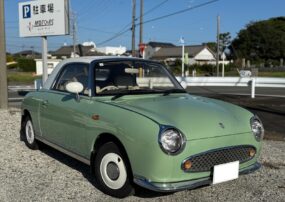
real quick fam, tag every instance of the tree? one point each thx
(261, 40)
(225, 41)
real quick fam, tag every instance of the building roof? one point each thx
(27, 52)
(160, 44)
(176, 52)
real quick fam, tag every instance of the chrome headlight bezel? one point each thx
(166, 131)
(257, 128)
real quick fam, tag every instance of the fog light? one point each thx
(187, 165)
(251, 152)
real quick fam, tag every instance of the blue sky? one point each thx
(108, 17)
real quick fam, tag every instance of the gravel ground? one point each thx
(48, 175)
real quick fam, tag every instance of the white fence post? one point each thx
(253, 88)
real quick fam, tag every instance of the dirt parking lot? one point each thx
(48, 175)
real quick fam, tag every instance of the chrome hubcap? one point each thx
(113, 171)
(29, 132)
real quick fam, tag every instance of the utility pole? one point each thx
(74, 32)
(134, 29)
(3, 68)
(218, 44)
(141, 21)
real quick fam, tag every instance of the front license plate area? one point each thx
(226, 172)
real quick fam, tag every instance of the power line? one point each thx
(180, 11)
(144, 14)
(155, 7)
(125, 29)
(160, 18)
(114, 37)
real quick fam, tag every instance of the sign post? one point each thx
(44, 58)
(223, 67)
(182, 58)
(44, 18)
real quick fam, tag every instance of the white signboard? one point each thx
(43, 18)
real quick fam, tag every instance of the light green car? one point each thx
(134, 123)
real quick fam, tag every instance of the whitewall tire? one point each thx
(29, 133)
(112, 172)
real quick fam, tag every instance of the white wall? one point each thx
(205, 54)
(112, 50)
(149, 51)
(51, 65)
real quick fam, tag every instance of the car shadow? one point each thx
(86, 172)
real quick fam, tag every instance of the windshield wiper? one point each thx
(175, 90)
(121, 93)
(124, 92)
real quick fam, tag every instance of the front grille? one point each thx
(206, 161)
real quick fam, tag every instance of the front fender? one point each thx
(139, 136)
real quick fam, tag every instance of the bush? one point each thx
(27, 65)
(9, 58)
(12, 66)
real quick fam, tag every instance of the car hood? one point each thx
(196, 117)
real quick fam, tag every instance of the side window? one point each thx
(73, 72)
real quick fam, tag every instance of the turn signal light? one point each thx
(251, 152)
(95, 117)
(187, 165)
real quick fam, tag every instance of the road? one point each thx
(267, 92)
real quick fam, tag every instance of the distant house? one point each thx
(198, 54)
(51, 63)
(28, 54)
(153, 47)
(80, 50)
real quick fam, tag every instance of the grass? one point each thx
(271, 74)
(21, 77)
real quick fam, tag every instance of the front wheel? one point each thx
(29, 134)
(111, 171)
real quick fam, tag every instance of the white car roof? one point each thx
(89, 59)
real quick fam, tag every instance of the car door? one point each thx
(63, 117)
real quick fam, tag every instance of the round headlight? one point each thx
(257, 128)
(171, 141)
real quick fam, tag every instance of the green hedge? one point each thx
(206, 69)
(27, 65)
(12, 66)
(9, 58)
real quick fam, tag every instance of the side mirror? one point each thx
(183, 84)
(75, 88)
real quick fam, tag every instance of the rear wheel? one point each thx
(111, 171)
(29, 134)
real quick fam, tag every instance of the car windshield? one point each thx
(134, 77)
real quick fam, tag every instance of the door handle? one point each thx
(45, 103)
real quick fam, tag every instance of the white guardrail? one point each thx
(252, 82)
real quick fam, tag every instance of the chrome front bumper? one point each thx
(177, 186)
